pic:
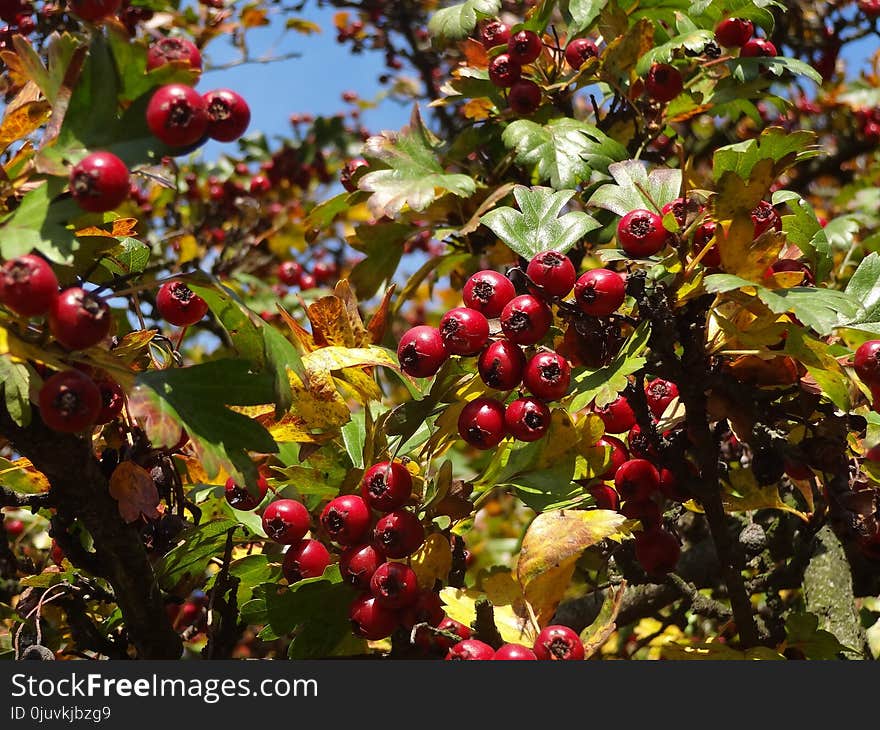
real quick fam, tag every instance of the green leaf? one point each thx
(251, 571)
(564, 151)
(775, 143)
(190, 558)
(746, 69)
(537, 225)
(354, 435)
(693, 40)
(15, 382)
(583, 14)
(61, 49)
(804, 231)
(635, 188)
(383, 245)
(458, 21)
(802, 631)
(864, 287)
(826, 371)
(130, 256)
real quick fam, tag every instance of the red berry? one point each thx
(79, 319)
(13, 527)
(678, 208)
(526, 320)
(394, 585)
(504, 72)
(758, 47)
(547, 375)
(386, 486)
(558, 643)
(177, 115)
(617, 455)
(553, 272)
(734, 32)
(640, 233)
(646, 511)
(524, 47)
(286, 521)
(94, 10)
(637, 479)
(325, 271)
(173, 49)
(510, 652)
(306, 559)
(664, 82)
(112, 400)
(346, 177)
(357, 564)
(69, 401)
(671, 488)
(657, 551)
(481, 423)
(660, 394)
(599, 292)
(370, 620)
(765, 217)
(289, 272)
(579, 50)
(494, 33)
(228, 114)
(346, 519)
(240, 498)
(791, 265)
(56, 553)
(28, 285)
(867, 362)
(421, 351)
(307, 281)
(702, 236)
(605, 496)
(259, 185)
(617, 415)
(501, 365)
(470, 650)
(464, 331)
(524, 97)
(871, 8)
(487, 292)
(99, 182)
(640, 444)
(453, 627)
(427, 609)
(179, 305)
(527, 419)
(399, 534)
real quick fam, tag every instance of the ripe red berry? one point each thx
(671, 488)
(28, 285)
(470, 650)
(386, 486)
(305, 559)
(524, 47)
(504, 72)
(605, 496)
(370, 620)
(13, 527)
(702, 236)
(664, 82)
(646, 511)
(394, 585)
(69, 401)
(637, 479)
(487, 292)
(867, 362)
(501, 365)
(494, 33)
(346, 519)
(453, 627)
(464, 331)
(660, 393)
(640, 233)
(678, 208)
(547, 375)
(579, 50)
(527, 419)
(179, 305)
(599, 292)
(524, 97)
(259, 185)
(871, 8)
(94, 10)
(757, 47)
(99, 182)
(307, 281)
(481, 423)
(398, 534)
(526, 320)
(617, 455)
(238, 496)
(617, 415)
(657, 551)
(173, 49)
(558, 643)
(553, 272)
(289, 272)
(510, 652)
(177, 115)
(427, 609)
(79, 319)
(228, 114)
(358, 563)
(421, 351)
(286, 521)
(765, 217)
(734, 32)
(112, 400)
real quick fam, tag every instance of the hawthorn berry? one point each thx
(765, 217)
(394, 585)
(617, 415)
(488, 292)
(386, 486)
(678, 208)
(702, 238)
(871, 8)
(346, 177)
(558, 643)
(660, 393)
(553, 272)
(637, 479)
(79, 319)
(867, 362)
(524, 46)
(28, 285)
(421, 351)
(179, 305)
(94, 11)
(470, 650)
(524, 97)
(464, 331)
(305, 559)
(504, 72)
(307, 281)
(239, 497)
(451, 626)
(494, 33)
(605, 496)
(657, 550)
(358, 563)
(599, 292)
(398, 534)
(99, 182)
(370, 620)
(427, 609)
(501, 365)
(640, 233)
(346, 519)
(646, 511)
(285, 521)
(525, 320)
(671, 487)
(510, 652)
(664, 82)
(289, 272)
(527, 419)
(640, 444)
(13, 527)
(228, 114)
(547, 375)
(617, 455)
(579, 51)
(177, 115)
(757, 47)
(173, 49)
(259, 185)
(69, 401)
(734, 32)
(481, 423)
(112, 400)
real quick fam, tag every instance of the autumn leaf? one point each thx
(134, 490)
(432, 561)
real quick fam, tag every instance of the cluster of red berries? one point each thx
(506, 69)
(870, 8)
(554, 643)
(869, 123)
(179, 116)
(292, 273)
(19, 16)
(737, 33)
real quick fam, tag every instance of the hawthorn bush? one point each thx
(580, 363)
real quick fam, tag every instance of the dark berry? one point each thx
(504, 72)
(558, 643)
(657, 551)
(488, 292)
(579, 51)
(640, 233)
(481, 423)
(394, 585)
(617, 415)
(399, 534)
(637, 479)
(765, 217)
(421, 351)
(358, 563)
(734, 32)
(94, 11)
(28, 285)
(524, 97)
(239, 497)
(664, 82)
(599, 292)
(228, 114)
(79, 319)
(605, 496)
(286, 521)
(527, 419)
(346, 519)
(494, 33)
(470, 650)
(646, 511)
(867, 362)
(177, 115)
(501, 365)
(526, 320)
(305, 559)
(370, 620)
(617, 455)
(553, 272)
(99, 182)
(757, 47)
(179, 305)
(464, 331)
(524, 47)
(427, 609)
(112, 400)
(69, 401)
(386, 486)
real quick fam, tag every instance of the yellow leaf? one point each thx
(597, 633)
(196, 474)
(514, 627)
(253, 17)
(21, 476)
(135, 491)
(22, 120)
(301, 25)
(478, 109)
(122, 228)
(736, 196)
(432, 561)
(741, 253)
(187, 248)
(338, 358)
(716, 652)
(745, 494)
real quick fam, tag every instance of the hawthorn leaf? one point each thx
(864, 287)
(784, 147)
(186, 563)
(134, 491)
(634, 188)
(15, 379)
(802, 632)
(746, 69)
(251, 571)
(583, 14)
(432, 561)
(457, 21)
(693, 40)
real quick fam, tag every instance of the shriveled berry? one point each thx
(664, 82)
(358, 563)
(617, 415)
(464, 331)
(657, 551)
(599, 292)
(112, 400)
(370, 620)
(398, 534)
(28, 285)
(525, 320)
(306, 559)
(527, 419)
(481, 423)
(285, 521)
(637, 479)
(239, 497)
(558, 643)
(765, 218)
(470, 650)
(734, 32)
(69, 401)
(579, 51)
(509, 652)
(421, 351)
(395, 585)
(501, 365)
(553, 272)
(547, 375)
(228, 114)
(504, 72)
(524, 46)
(640, 233)
(179, 305)
(386, 486)
(173, 49)
(346, 519)
(79, 319)
(99, 182)
(488, 292)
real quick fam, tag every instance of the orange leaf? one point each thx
(133, 488)
(475, 53)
